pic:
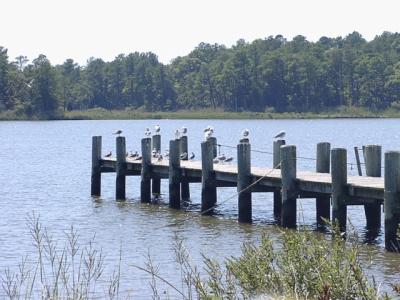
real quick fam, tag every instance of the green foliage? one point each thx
(266, 74)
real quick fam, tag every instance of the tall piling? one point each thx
(213, 141)
(185, 191)
(243, 181)
(339, 181)
(208, 184)
(96, 167)
(145, 175)
(174, 174)
(156, 181)
(392, 200)
(289, 190)
(276, 164)
(373, 166)
(120, 169)
(323, 205)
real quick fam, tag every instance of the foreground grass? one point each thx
(131, 114)
(301, 265)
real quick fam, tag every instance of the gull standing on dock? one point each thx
(280, 135)
(192, 156)
(108, 155)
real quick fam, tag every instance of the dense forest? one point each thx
(271, 74)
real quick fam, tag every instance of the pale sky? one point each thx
(79, 29)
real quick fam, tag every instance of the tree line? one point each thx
(271, 74)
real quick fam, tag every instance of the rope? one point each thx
(226, 200)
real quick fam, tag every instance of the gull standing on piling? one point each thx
(177, 134)
(280, 135)
(183, 131)
(147, 132)
(118, 132)
(157, 129)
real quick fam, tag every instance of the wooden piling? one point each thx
(289, 191)
(156, 181)
(185, 191)
(392, 200)
(276, 164)
(323, 205)
(208, 184)
(339, 181)
(145, 176)
(243, 181)
(213, 141)
(174, 174)
(357, 155)
(96, 168)
(120, 168)
(373, 164)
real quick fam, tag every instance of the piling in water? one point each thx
(208, 184)
(392, 200)
(276, 164)
(185, 191)
(339, 181)
(243, 181)
(96, 168)
(120, 169)
(373, 164)
(174, 174)
(289, 191)
(156, 181)
(323, 205)
(145, 175)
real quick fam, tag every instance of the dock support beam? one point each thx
(145, 176)
(208, 184)
(120, 169)
(174, 174)
(213, 141)
(339, 181)
(243, 181)
(373, 164)
(323, 203)
(392, 200)
(96, 168)
(289, 191)
(185, 191)
(276, 164)
(156, 182)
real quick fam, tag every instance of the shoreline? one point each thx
(102, 114)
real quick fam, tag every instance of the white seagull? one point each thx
(191, 156)
(177, 134)
(183, 131)
(280, 135)
(157, 128)
(147, 132)
(245, 133)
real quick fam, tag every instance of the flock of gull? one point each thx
(208, 133)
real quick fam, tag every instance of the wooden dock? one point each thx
(330, 185)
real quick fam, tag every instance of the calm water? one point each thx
(45, 168)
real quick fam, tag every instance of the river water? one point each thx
(45, 169)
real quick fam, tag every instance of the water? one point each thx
(45, 168)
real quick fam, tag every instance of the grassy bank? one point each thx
(131, 114)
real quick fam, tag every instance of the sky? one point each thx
(80, 29)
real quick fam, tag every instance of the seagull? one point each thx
(215, 160)
(139, 157)
(191, 156)
(221, 158)
(118, 132)
(184, 156)
(209, 128)
(157, 128)
(177, 134)
(245, 133)
(159, 158)
(207, 135)
(134, 154)
(280, 135)
(108, 155)
(229, 159)
(183, 131)
(147, 132)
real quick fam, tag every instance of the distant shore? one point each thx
(130, 114)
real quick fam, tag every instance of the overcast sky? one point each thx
(79, 29)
